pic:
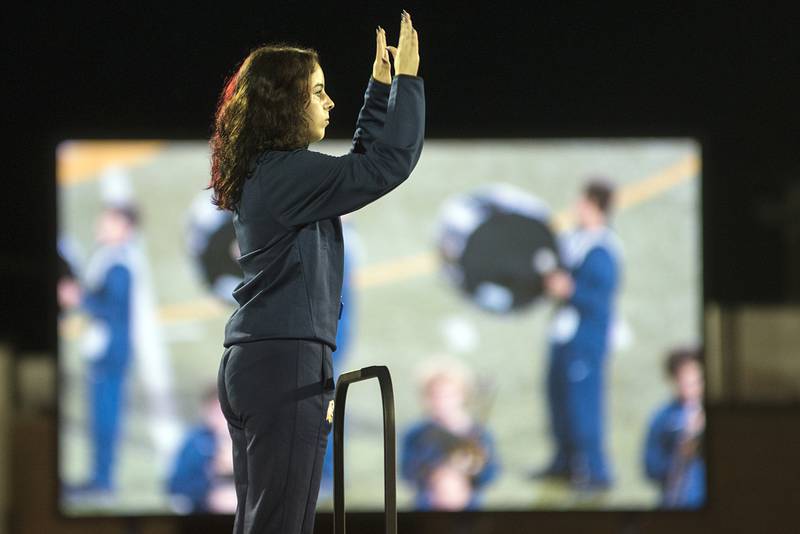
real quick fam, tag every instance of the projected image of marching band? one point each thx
(537, 302)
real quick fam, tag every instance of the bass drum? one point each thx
(496, 244)
(212, 247)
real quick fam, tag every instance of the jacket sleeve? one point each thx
(594, 282)
(302, 186)
(112, 300)
(372, 116)
(657, 453)
(491, 469)
(190, 474)
(408, 464)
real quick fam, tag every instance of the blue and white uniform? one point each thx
(192, 477)
(580, 339)
(427, 445)
(682, 480)
(107, 345)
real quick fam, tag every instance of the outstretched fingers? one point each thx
(406, 54)
(406, 28)
(380, 45)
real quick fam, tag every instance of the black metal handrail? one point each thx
(381, 372)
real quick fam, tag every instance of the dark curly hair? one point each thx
(262, 107)
(600, 191)
(680, 356)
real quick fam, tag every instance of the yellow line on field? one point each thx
(198, 309)
(390, 271)
(399, 269)
(643, 190)
(630, 195)
(82, 161)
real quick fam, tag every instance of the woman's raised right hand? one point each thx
(406, 54)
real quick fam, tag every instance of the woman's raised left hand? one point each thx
(382, 68)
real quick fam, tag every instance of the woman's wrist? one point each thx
(376, 80)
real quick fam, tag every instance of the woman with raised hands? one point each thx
(276, 378)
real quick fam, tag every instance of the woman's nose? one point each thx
(330, 103)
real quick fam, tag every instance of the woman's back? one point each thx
(287, 220)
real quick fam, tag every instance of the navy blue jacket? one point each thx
(287, 221)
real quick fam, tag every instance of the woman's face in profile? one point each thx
(319, 106)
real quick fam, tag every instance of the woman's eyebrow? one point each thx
(319, 85)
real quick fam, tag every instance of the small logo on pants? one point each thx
(329, 416)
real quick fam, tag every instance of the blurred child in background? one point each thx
(448, 457)
(673, 454)
(202, 475)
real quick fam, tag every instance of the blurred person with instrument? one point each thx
(449, 457)
(673, 454)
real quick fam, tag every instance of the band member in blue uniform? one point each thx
(275, 378)
(673, 450)
(579, 343)
(448, 457)
(107, 299)
(201, 479)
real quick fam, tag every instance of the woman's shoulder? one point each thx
(267, 162)
(274, 165)
(271, 155)
(270, 158)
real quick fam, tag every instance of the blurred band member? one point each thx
(579, 344)
(202, 475)
(107, 299)
(448, 457)
(672, 455)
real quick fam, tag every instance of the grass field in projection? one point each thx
(405, 311)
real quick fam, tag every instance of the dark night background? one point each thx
(729, 77)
